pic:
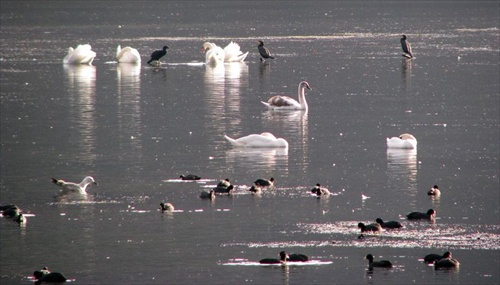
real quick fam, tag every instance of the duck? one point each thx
(127, 55)
(434, 191)
(214, 54)
(380, 263)
(446, 262)
(263, 140)
(208, 195)
(320, 191)
(232, 53)
(430, 215)
(20, 219)
(45, 276)
(157, 54)
(263, 51)
(405, 45)
(67, 187)
(433, 257)
(404, 141)
(10, 211)
(224, 190)
(283, 256)
(190, 177)
(224, 183)
(82, 54)
(375, 227)
(297, 257)
(389, 225)
(255, 189)
(281, 102)
(166, 207)
(264, 182)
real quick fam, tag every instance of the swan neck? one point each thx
(302, 96)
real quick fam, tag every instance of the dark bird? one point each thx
(157, 54)
(224, 183)
(405, 45)
(45, 276)
(264, 52)
(190, 177)
(446, 262)
(282, 260)
(375, 227)
(433, 257)
(223, 190)
(255, 189)
(11, 211)
(434, 191)
(380, 263)
(297, 257)
(430, 215)
(320, 191)
(20, 219)
(389, 225)
(264, 182)
(208, 195)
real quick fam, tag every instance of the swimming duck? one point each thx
(81, 187)
(258, 140)
(20, 219)
(223, 190)
(190, 177)
(166, 207)
(434, 191)
(157, 54)
(430, 215)
(10, 211)
(389, 225)
(263, 51)
(446, 262)
(224, 183)
(381, 263)
(320, 191)
(375, 227)
(208, 195)
(404, 141)
(264, 182)
(82, 54)
(282, 260)
(281, 102)
(255, 189)
(297, 257)
(127, 55)
(433, 257)
(45, 276)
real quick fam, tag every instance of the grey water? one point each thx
(136, 128)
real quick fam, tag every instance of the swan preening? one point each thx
(280, 102)
(214, 54)
(127, 55)
(404, 141)
(68, 187)
(82, 54)
(258, 140)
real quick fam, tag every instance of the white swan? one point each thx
(232, 53)
(280, 102)
(256, 140)
(83, 54)
(127, 55)
(67, 187)
(213, 54)
(404, 141)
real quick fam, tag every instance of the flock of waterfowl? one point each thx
(214, 54)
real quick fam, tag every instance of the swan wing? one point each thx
(283, 101)
(128, 54)
(232, 53)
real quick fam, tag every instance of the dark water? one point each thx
(137, 128)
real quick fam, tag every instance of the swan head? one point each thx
(407, 136)
(207, 46)
(305, 85)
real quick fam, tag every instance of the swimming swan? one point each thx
(127, 55)
(232, 53)
(83, 54)
(255, 140)
(404, 141)
(281, 102)
(213, 54)
(67, 187)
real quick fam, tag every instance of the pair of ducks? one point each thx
(379, 224)
(440, 261)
